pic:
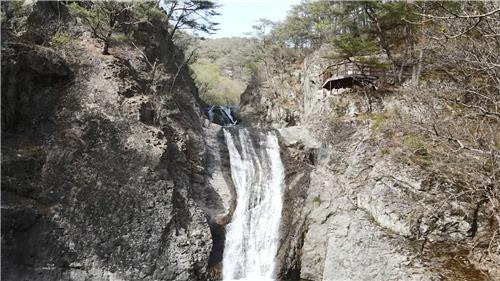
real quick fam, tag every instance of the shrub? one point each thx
(412, 142)
(317, 200)
(419, 148)
(14, 15)
(379, 120)
(121, 38)
(62, 40)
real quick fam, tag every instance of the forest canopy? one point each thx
(406, 39)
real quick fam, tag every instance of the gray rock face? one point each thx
(110, 198)
(217, 195)
(262, 105)
(361, 216)
(22, 63)
(297, 98)
(354, 211)
(101, 181)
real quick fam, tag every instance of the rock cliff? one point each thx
(356, 207)
(103, 176)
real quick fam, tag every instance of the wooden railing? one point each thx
(346, 74)
(346, 68)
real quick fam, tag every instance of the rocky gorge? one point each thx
(109, 176)
(354, 209)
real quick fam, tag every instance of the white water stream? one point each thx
(252, 236)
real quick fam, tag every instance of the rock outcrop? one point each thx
(354, 209)
(103, 177)
(358, 215)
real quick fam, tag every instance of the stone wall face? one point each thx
(358, 214)
(353, 211)
(102, 179)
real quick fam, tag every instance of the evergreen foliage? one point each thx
(104, 18)
(110, 21)
(365, 32)
(195, 15)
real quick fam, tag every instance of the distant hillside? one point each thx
(223, 68)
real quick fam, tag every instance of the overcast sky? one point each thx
(238, 16)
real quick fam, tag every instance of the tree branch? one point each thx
(460, 16)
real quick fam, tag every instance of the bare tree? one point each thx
(462, 42)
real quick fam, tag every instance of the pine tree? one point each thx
(104, 18)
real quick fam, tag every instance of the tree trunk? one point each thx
(112, 22)
(384, 44)
(368, 101)
(400, 75)
(105, 51)
(419, 66)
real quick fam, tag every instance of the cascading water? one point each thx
(252, 236)
(221, 114)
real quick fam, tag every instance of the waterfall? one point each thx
(227, 111)
(221, 114)
(252, 236)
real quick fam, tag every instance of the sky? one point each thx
(238, 16)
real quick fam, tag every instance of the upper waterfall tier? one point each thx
(222, 115)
